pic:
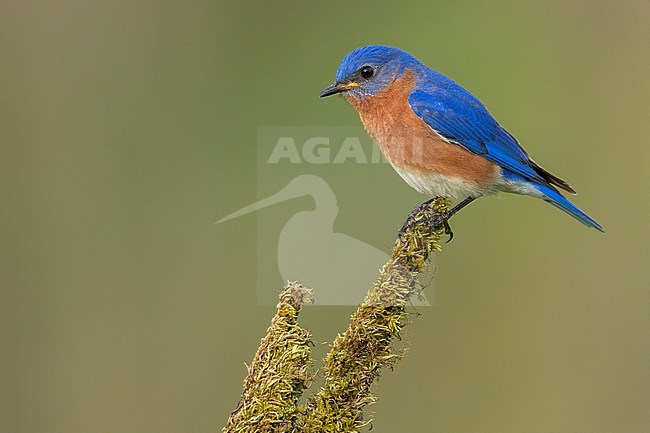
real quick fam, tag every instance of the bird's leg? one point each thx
(460, 205)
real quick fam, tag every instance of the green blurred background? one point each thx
(127, 128)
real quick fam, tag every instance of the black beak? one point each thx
(334, 89)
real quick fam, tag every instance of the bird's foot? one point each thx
(433, 221)
(411, 219)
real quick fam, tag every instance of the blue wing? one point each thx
(461, 118)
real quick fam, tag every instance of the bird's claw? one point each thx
(448, 231)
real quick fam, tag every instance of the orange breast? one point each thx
(409, 143)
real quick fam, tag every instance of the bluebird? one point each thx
(438, 136)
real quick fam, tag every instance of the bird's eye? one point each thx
(367, 72)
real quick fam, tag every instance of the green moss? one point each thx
(279, 373)
(358, 356)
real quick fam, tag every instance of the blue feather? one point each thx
(457, 116)
(460, 117)
(552, 196)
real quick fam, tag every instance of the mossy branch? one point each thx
(278, 374)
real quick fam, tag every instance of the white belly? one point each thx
(436, 185)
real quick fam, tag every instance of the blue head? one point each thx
(369, 70)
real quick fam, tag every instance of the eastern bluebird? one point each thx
(438, 136)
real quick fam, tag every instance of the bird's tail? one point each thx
(552, 196)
